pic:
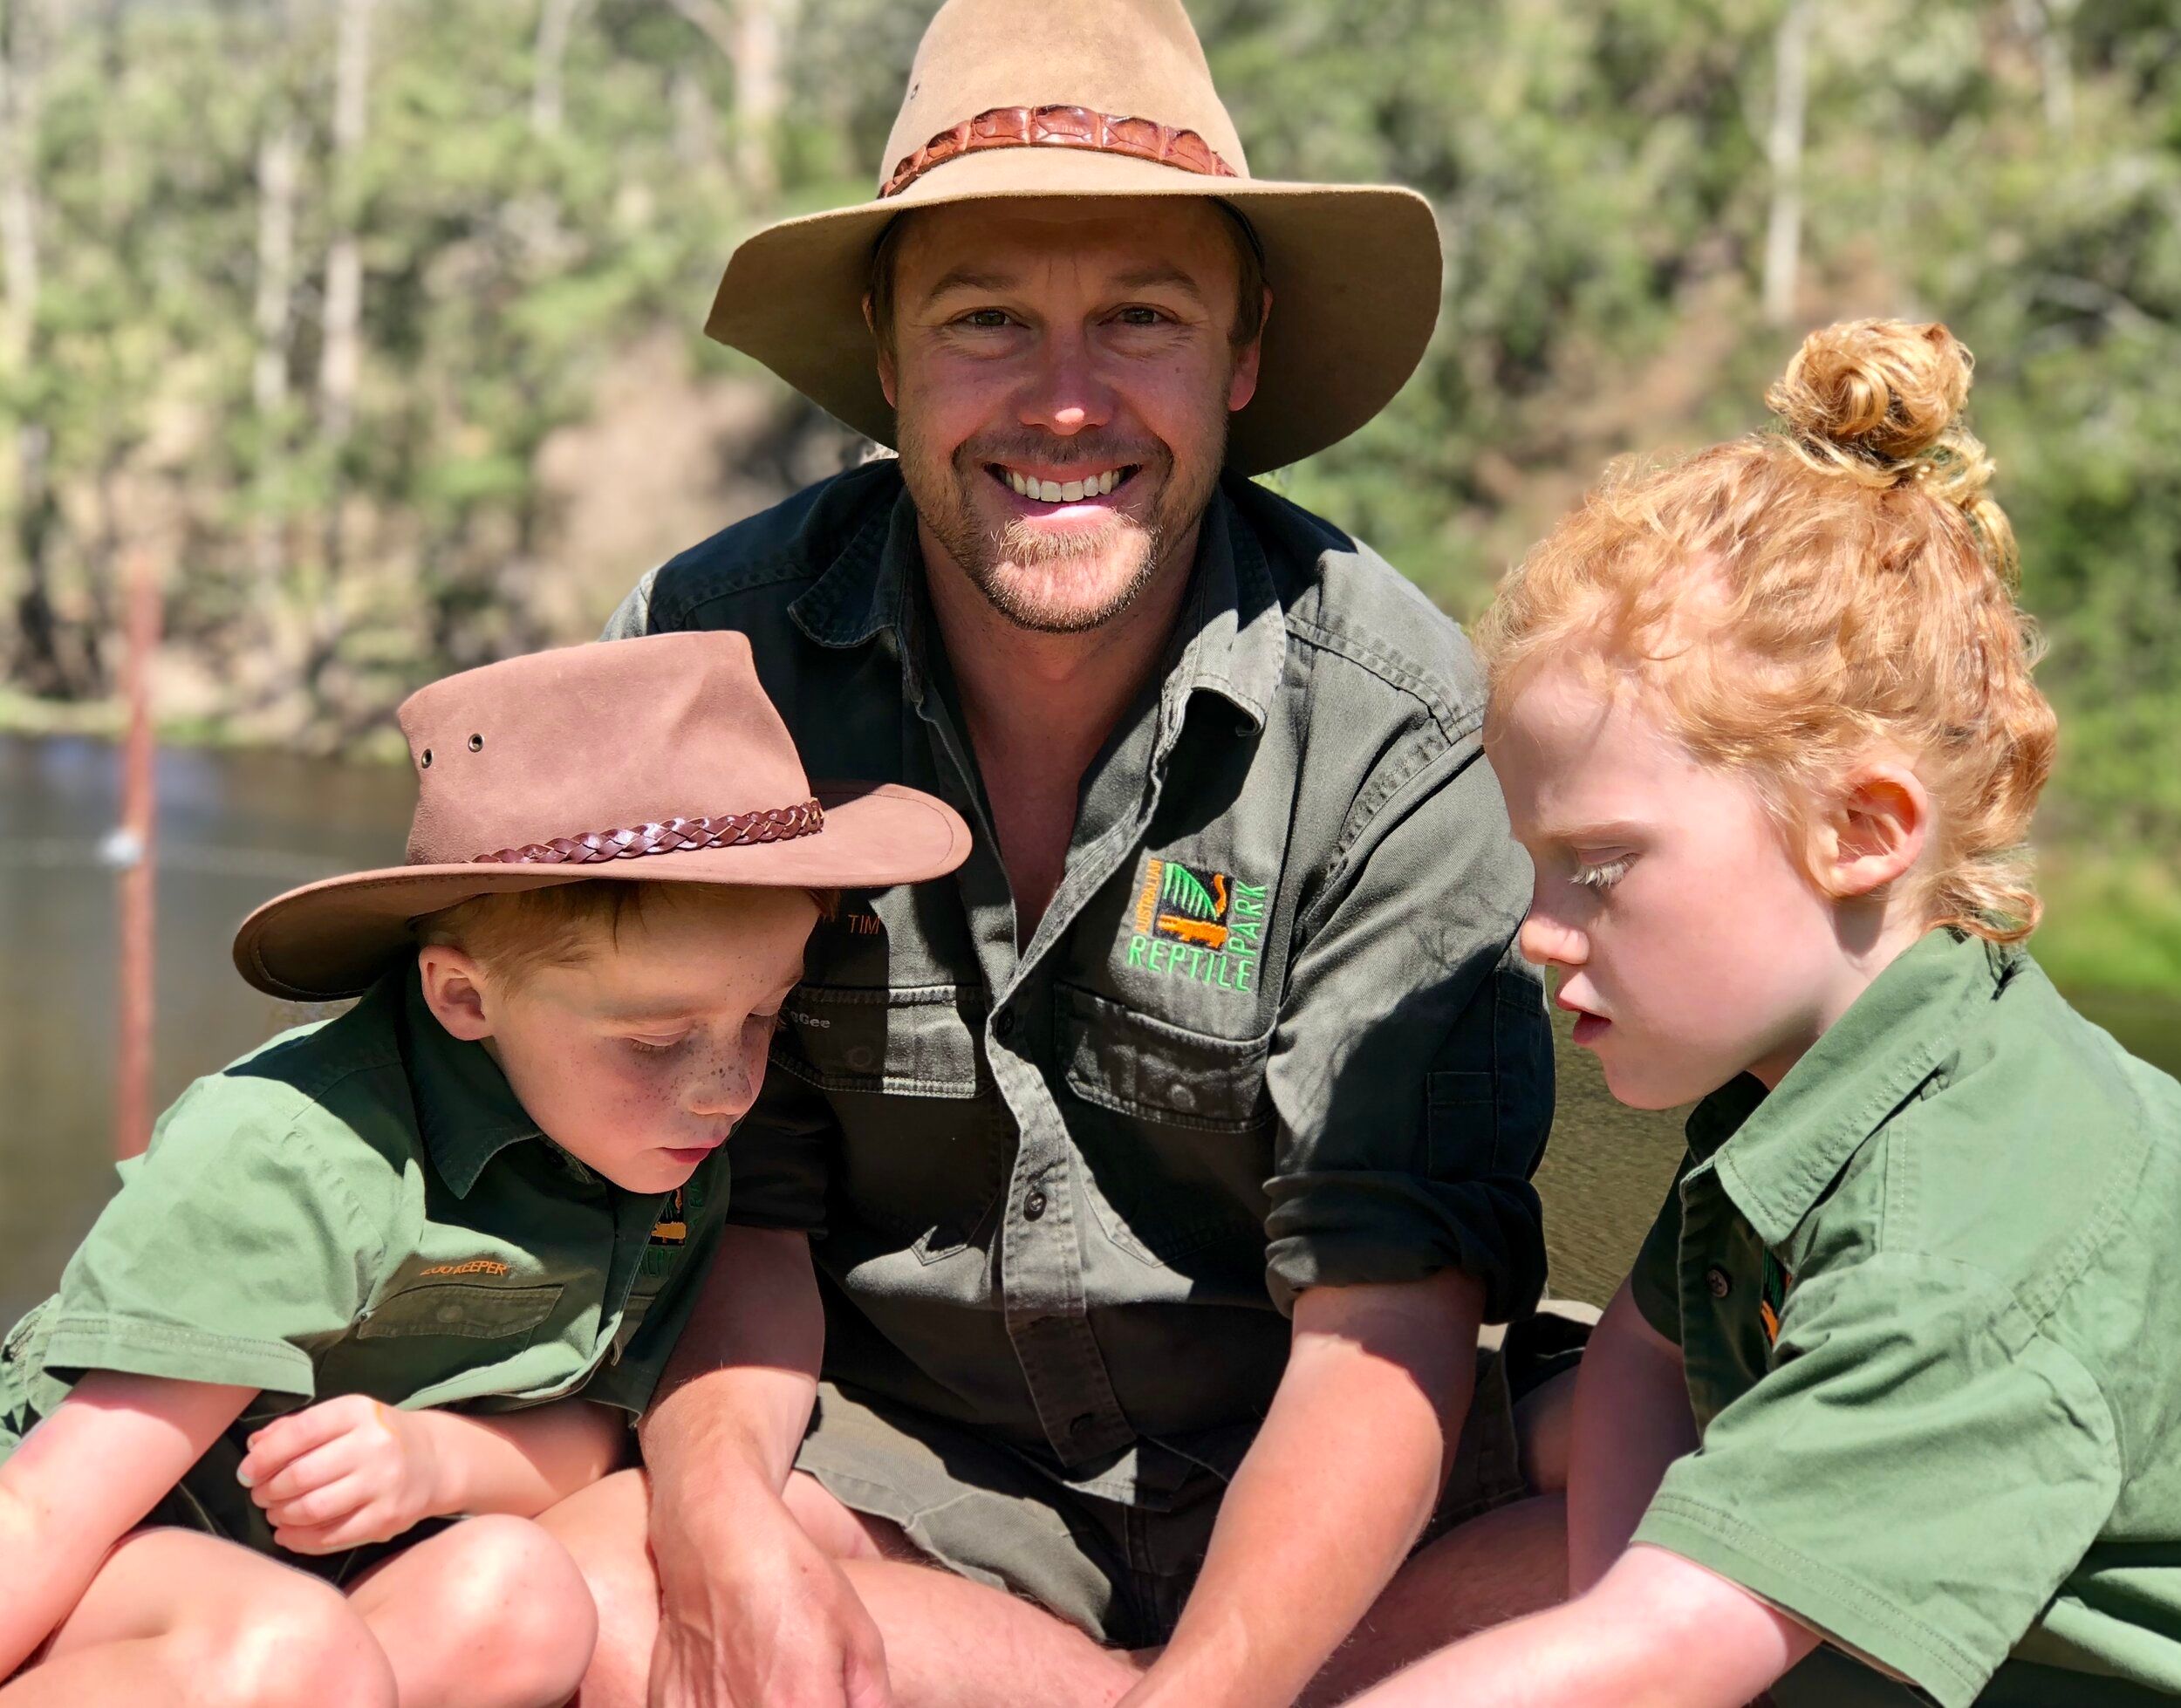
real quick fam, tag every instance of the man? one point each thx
(1221, 1025)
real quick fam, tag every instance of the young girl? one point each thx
(1888, 1409)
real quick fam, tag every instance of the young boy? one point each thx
(1889, 1412)
(460, 1218)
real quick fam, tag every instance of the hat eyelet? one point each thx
(476, 744)
(425, 763)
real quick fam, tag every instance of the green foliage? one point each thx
(1601, 169)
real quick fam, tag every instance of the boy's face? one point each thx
(1688, 941)
(639, 1058)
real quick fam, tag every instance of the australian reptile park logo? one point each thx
(1203, 926)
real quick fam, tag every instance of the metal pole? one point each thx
(131, 849)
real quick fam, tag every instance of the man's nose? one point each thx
(1064, 393)
(1547, 941)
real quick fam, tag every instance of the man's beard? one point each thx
(1049, 582)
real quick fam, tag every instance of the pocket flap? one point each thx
(917, 1041)
(460, 1307)
(1129, 1061)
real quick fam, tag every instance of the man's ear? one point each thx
(1877, 831)
(885, 349)
(1242, 386)
(456, 990)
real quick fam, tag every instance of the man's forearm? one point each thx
(737, 1394)
(1334, 1493)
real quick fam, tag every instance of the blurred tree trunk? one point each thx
(555, 21)
(272, 318)
(340, 352)
(25, 35)
(1790, 105)
(752, 34)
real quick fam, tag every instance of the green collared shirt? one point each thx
(1929, 1293)
(362, 1206)
(1268, 1035)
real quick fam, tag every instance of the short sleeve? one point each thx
(238, 1247)
(1915, 1478)
(1655, 1282)
(1411, 1072)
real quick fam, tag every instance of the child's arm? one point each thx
(83, 1479)
(1632, 1421)
(351, 1471)
(1658, 1631)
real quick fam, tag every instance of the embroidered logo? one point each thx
(476, 1266)
(1204, 927)
(672, 1227)
(1771, 1298)
(858, 923)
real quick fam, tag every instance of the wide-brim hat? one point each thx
(657, 760)
(1039, 97)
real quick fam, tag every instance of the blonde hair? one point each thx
(1795, 600)
(518, 932)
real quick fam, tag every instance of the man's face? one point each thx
(1688, 940)
(1063, 373)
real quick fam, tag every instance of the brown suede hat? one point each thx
(658, 759)
(1055, 99)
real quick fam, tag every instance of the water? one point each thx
(236, 828)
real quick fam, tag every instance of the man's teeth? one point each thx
(1064, 492)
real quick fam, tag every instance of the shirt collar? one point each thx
(1232, 640)
(1776, 1154)
(466, 1111)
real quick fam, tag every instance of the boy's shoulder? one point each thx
(331, 1094)
(2039, 1154)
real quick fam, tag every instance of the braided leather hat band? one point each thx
(1061, 127)
(674, 836)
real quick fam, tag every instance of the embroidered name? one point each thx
(476, 1266)
(1204, 927)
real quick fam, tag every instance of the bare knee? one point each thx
(517, 1607)
(840, 1531)
(295, 1640)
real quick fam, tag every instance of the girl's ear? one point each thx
(1876, 831)
(457, 991)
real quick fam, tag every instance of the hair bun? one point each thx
(1885, 388)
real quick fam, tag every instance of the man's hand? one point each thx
(771, 1623)
(349, 1472)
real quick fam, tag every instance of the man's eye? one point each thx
(1141, 316)
(985, 319)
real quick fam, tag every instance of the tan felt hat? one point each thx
(1061, 98)
(658, 759)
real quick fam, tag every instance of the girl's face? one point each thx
(1688, 940)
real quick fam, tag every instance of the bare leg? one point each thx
(490, 1614)
(1493, 1569)
(1544, 1427)
(950, 1643)
(178, 1620)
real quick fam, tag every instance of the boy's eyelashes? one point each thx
(1592, 873)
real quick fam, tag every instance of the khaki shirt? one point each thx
(362, 1206)
(1928, 1292)
(1268, 1035)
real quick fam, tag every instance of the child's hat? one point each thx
(658, 759)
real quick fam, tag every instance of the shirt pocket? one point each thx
(1176, 1143)
(462, 1309)
(922, 1151)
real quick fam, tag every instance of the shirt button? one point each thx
(1083, 1426)
(1033, 1205)
(1003, 1025)
(1716, 1279)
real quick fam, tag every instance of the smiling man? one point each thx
(1146, 1187)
